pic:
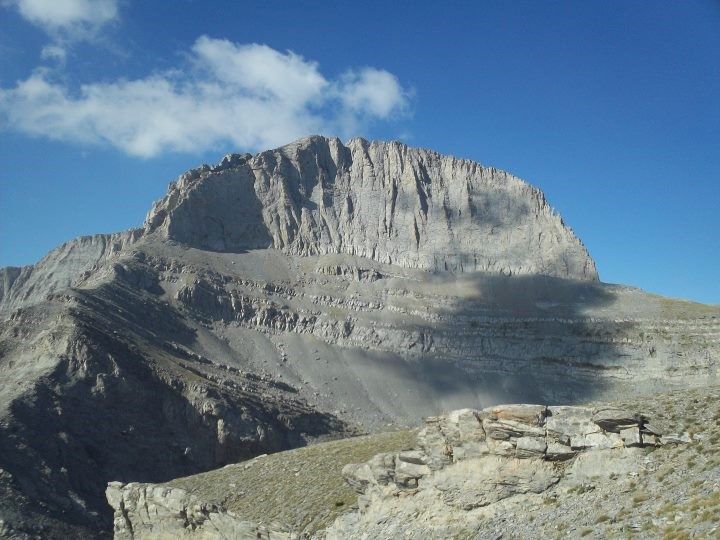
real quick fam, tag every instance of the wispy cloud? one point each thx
(66, 21)
(247, 95)
(68, 16)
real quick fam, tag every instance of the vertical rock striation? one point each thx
(384, 201)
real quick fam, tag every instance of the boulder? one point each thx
(631, 436)
(565, 422)
(380, 470)
(469, 425)
(588, 466)
(650, 429)
(434, 445)
(502, 430)
(533, 415)
(358, 476)
(675, 438)
(408, 474)
(470, 450)
(501, 448)
(558, 452)
(530, 447)
(416, 457)
(596, 441)
(614, 419)
(479, 482)
(149, 511)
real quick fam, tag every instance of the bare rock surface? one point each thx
(146, 511)
(473, 462)
(384, 201)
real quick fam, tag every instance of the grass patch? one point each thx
(302, 488)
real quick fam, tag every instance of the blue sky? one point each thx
(612, 108)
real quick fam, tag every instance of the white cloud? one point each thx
(260, 70)
(54, 52)
(367, 93)
(372, 91)
(67, 16)
(249, 96)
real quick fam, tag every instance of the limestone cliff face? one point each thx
(384, 201)
(59, 269)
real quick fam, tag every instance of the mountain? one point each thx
(311, 292)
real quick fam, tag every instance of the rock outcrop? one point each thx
(60, 269)
(146, 511)
(467, 467)
(469, 461)
(383, 201)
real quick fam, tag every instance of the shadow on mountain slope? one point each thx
(511, 339)
(530, 338)
(129, 401)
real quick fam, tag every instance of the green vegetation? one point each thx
(302, 488)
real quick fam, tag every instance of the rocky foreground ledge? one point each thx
(470, 460)
(464, 465)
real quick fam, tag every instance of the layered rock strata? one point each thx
(469, 461)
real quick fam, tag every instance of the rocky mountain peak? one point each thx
(381, 200)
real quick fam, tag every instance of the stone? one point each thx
(596, 441)
(470, 425)
(147, 511)
(510, 429)
(358, 476)
(483, 481)
(650, 429)
(408, 474)
(558, 452)
(416, 457)
(650, 440)
(614, 419)
(675, 438)
(500, 447)
(631, 436)
(604, 463)
(533, 415)
(434, 444)
(530, 447)
(470, 449)
(564, 422)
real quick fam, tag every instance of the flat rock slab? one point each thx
(604, 463)
(533, 415)
(479, 482)
(614, 419)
